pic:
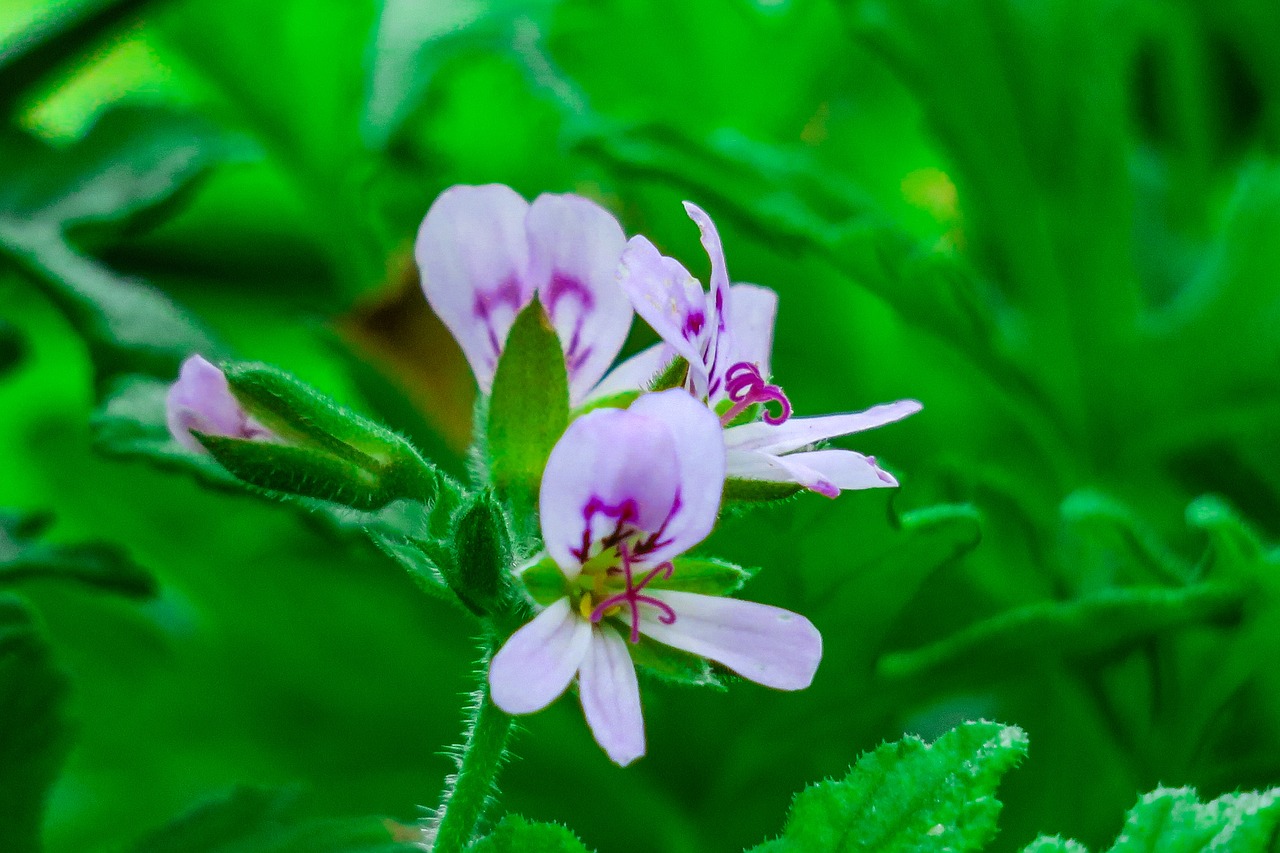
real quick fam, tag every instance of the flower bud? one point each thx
(315, 448)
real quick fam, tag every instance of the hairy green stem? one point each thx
(468, 793)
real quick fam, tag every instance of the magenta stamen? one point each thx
(632, 598)
(745, 386)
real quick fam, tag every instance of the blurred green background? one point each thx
(1056, 223)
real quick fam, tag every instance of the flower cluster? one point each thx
(639, 475)
(625, 491)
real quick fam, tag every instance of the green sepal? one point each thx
(544, 582)
(621, 400)
(705, 576)
(327, 451)
(306, 472)
(297, 412)
(672, 665)
(481, 573)
(672, 376)
(758, 491)
(421, 560)
(528, 409)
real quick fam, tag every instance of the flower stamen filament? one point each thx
(745, 387)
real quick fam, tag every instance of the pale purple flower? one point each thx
(484, 252)
(624, 492)
(726, 336)
(201, 400)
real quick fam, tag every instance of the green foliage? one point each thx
(1105, 623)
(34, 737)
(132, 160)
(104, 566)
(909, 795)
(1174, 820)
(250, 820)
(1052, 222)
(12, 348)
(528, 411)
(514, 834)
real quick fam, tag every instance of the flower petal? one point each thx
(718, 353)
(845, 469)
(635, 373)
(670, 300)
(574, 249)
(800, 432)
(610, 466)
(201, 399)
(473, 255)
(755, 465)
(769, 645)
(537, 663)
(699, 448)
(752, 312)
(610, 696)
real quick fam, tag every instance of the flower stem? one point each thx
(467, 794)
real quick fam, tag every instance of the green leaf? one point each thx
(1106, 545)
(1047, 844)
(909, 796)
(515, 834)
(252, 820)
(130, 425)
(413, 42)
(1173, 820)
(885, 579)
(1235, 551)
(792, 201)
(707, 576)
(63, 32)
(1094, 625)
(529, 408)
(305, 113)
(130, 161)
(34, 736)
(103, 566)
(13, 348)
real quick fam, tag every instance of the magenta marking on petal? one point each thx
(621, 513)
(486, 304)
(881, 473)
(693, 323)
(745, 386)
(561, 286)
(631, 597)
